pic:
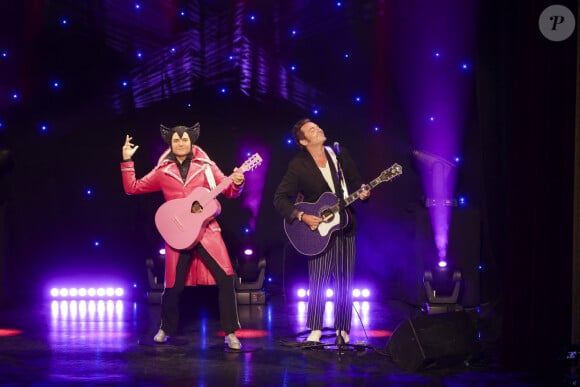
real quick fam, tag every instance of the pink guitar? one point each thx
(181, 221)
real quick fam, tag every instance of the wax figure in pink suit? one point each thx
(180, 170)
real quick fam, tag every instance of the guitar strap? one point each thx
(209, 176)
(342, 181)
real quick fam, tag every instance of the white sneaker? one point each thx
(232, 341)
(344, 335)
(160, 337)
(314, 336)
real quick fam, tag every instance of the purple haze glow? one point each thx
(436, 39)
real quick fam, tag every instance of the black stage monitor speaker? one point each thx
(434, 341)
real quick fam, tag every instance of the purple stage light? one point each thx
(357, 292)
(82, 292)
(432, 90)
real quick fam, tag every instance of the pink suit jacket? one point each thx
(165, 177)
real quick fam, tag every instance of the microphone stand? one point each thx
(341, 211)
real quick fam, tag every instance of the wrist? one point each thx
(300, 215)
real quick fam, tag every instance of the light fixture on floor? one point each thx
(442, 286)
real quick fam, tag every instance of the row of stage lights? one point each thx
(356, 293)
(104, 292)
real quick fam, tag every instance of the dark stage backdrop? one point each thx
(526, 110)
(518, 147)
(52, 224)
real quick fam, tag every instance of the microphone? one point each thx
(337, 148)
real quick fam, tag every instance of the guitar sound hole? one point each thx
(196, 208)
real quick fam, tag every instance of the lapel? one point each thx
(315, 172)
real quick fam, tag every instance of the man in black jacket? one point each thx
(312, 172)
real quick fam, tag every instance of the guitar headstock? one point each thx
(391, 172)
(251, 163)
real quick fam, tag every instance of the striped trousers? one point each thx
(336, 262)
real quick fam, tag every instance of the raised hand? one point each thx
(129, 148)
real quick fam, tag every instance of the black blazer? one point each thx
(303, 181)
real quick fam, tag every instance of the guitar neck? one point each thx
(220, 187)
(356, 195)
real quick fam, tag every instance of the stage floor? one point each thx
(110, 342)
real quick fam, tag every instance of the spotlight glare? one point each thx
(442, 264)
(100, 292)
(54, 292)
(248, 251)
(329, 293)
(73, 292)
(366, 293)
(356, 293)
(82, 292)
(110, 292)
(63, 292)
(301, 293)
